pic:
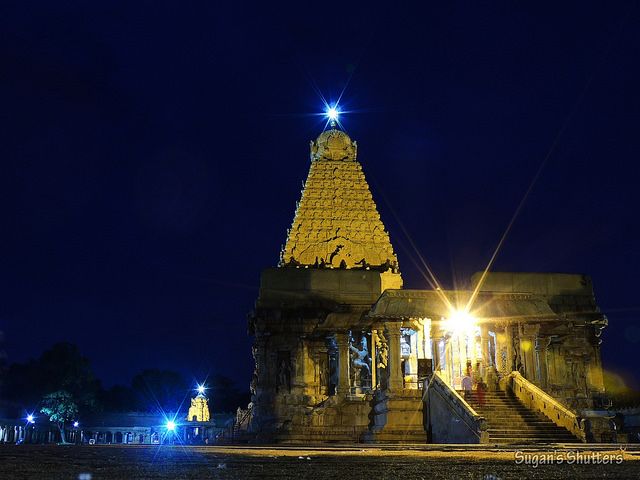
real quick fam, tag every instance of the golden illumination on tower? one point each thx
(336, 224)
(199, 409)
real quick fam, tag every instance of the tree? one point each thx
(62, 367)
(65, 368)
(225, 396)
(118, 398)
(61, 408)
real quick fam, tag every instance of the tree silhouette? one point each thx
(62, 367)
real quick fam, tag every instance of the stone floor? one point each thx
(338, 462)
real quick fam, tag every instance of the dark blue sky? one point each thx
(152, 154)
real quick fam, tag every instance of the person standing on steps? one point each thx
(467, 386)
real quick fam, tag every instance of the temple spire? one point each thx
(337, 224)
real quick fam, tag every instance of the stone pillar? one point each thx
(595, 375)
(541, 356)
(373, 356)
(484, 346)
(508, 334)
(261, 373)
(394, 366)
(528, 334)
(306, 366)
(342, 339)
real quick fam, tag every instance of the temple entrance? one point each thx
(464, 351)
(416, 350)
(465, 348)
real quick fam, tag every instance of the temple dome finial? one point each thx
(334, 145)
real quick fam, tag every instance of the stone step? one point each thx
(507, 412)
(524, 426)
(511, 433)
(514, 408)
(509, 421)
(532, 429)
(527, 441)
(508, 418)
(509, 426)
(504, 410)
(495, 402)
(517, 421)
(532, 439)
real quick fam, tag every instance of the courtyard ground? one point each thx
(336, 462)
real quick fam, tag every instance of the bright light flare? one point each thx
(171, 426)
(76, 424)
(333, 113)
(460, 322)
(201, 389)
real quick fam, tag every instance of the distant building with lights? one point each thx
(196, 427)
(343, 353)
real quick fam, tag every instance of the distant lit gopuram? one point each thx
(344, 353)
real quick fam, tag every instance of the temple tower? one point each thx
(309, 321)
(336, 223)
(199, 409)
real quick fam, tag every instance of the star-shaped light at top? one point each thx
(332, 114)
(201, 389)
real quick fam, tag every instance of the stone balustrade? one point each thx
(450, 418)
(538, 400)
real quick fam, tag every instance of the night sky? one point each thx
(152, 154)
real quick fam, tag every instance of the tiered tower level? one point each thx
(337, 224)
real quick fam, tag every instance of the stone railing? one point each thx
(538, 400)
(450, 418)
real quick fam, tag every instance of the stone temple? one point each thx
(343, 353)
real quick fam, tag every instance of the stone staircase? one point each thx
(511, 422)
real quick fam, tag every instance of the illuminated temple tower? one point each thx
(343, 353)
(199, 409)
(336, 224)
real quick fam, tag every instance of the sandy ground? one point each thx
(336, 462)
